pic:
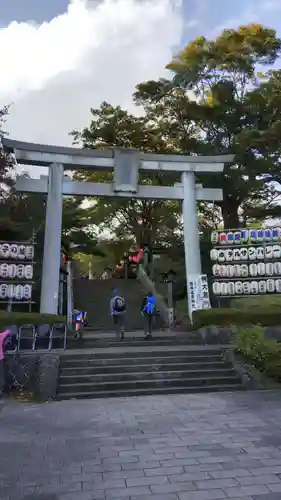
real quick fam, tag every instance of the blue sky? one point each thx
(63, 57)
(200, 16)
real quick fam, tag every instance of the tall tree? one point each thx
(136, 221)
(218, 85)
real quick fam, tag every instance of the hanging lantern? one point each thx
(214, 254)
(275, 234)
(5, 251)
(260, 235)
(244, 253)
(224, 288)
(262, 286)
(27, 290)
(221, 255)
(254, 287)
(244, 270)
(253, 235)
(276, 251)
(216, 288)
(252, 253)
(216, 270)
(20, 271)
(269, 269)
(261, 268)
(277, 268)
(253, 269)
(236, 254)
(3, 291)
(230, 271)
(237, 270)
(238, 287)
(237, 237)
(12, 272)
(268, 253)
(4, 270)
(278, 286)
(229, 255)
(28, 272)
(270, 286)
(214, 237)
(244, 235)
(230, 238)
(11, 291)
(230, 288)
(260, 253)
(14, 251)
(29, 252)
(19, 292)
(222, 238)
(268, 234)
(246, 287)
(21, 252)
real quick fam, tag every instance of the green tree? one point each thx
(219, 89)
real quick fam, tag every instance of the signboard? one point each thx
(246, 262)
(16, 272)
(198, 293)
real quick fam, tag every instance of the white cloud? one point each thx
(54, 72)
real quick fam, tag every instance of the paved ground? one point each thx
(198, 447)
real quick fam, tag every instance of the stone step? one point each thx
(147, 383)
(66, 379)
(168, 365)
(139, 356)
(149, 391)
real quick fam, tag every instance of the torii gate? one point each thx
(126, 164)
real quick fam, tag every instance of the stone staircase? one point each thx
(151, 369)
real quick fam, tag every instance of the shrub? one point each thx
(265, 354)
(18, 318)
(269, 316)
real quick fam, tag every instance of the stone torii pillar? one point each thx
(126, 164)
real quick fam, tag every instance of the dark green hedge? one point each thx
(263, 353)
(269, 316)
(17, 318)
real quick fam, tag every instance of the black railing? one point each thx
(33, 338)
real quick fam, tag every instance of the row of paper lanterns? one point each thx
(245, 236)
(246, 287)
(250, 253)
(237, 270)
(16, 252)
(20, 271)
(17, 292)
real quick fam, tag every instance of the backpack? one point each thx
(150, 305)
(119, 304)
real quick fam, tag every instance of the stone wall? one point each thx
(35, 373)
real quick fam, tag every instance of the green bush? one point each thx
(269, 316)
(17, 318)
(264, 353)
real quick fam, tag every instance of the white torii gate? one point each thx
(126, 164)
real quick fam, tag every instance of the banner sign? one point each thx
(16, 271)
(198, 293)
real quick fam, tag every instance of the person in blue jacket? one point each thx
(148, 310)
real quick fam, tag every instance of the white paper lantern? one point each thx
(224, 288)
(237, 270)
(230, 288)
(216, 288)
(244, 236)
(222, 238)
(27, 292)
(276, 251)
(214, 237)
(223, 271)
(262, 286)
(246, 287)
(230, 238)
(260, 235)
(11, 291)
(253, 235)
(269, 269)
(238, 287)
(29, 252)
(237, 237)
(229, 255)
(254, 287)
(4, 270)
(268, 253)
(5, 250)
(28, 272)
(270, 286)
(12, 270)
(278, 286)
(216, 270)
(268, 234)
(14, 251)
(276, 234)
(244, 254)
(244, 270)
(252, 253)
(277, 268)
(19, 292)
(221, 255)
(261, 268)
(21, 254)
(230, 271)
(260, 253)
(214, 254)
(3, 291)
(20, 271)
(253, 269)
(236, 254)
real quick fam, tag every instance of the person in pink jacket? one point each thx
(3, 337)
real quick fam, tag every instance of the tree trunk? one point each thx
(230, 213)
